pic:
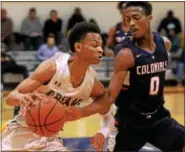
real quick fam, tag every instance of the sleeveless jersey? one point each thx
(147, 77)
(60, 86)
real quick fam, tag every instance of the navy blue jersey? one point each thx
(147, 76)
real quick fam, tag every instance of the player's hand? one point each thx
(98, 141)
(31, 99)
(73, 113)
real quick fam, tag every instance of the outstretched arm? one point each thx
(124, 60)
(42, 74)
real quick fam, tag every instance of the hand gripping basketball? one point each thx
(46, 117)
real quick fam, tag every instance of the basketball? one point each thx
(46, 118)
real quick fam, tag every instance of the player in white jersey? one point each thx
(68, 79)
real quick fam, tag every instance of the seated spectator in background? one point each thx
(175, 41)
(6, 29)
(47, 50)
(8, 65)
(53, 26)
(180, 70)
(170, 22)
(31, 28)
(77, 17)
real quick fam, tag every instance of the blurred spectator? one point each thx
(19, 40)
(170, 22)
(6, 29)
(53, 26)
(47, 50)
(75, 18)
(32, 30)
(8, 65)
(175, 41)
(180, 70)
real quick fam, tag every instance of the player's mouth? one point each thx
(100, 57)
(134, 31)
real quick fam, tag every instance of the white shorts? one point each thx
(17, 137)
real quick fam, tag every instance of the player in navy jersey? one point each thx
(142, 116)
(117, 33)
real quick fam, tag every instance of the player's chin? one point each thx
(136, 36)
(96, 61)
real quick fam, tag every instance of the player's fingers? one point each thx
(28, 100)
(95, 142)
(98, 141)
(92, 141)
(100, 144)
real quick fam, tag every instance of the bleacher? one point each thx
(104, 69)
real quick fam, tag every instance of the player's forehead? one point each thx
(134, 10)
(93, 37)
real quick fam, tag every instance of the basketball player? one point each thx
(120, 31)
(142, 116)
(69, 80)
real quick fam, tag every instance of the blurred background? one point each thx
(31, 32)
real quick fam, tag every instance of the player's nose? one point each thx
(100, 50)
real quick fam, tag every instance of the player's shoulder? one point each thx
(60, 55)
(125, 44)
(124, 53)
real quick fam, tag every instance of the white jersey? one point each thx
(60, 86)
(18, 137)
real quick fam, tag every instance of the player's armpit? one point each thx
(42, 74)
(98, 89)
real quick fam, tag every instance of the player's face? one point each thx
(91, 48)
(122, 12)
(137, 21)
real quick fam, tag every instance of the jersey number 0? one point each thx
(154, 85)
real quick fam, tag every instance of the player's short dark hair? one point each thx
(120, 4)
(79, 31)
(145, 5)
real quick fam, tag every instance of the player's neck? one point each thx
(147, 41)
(77, 68)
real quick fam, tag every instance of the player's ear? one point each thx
(78, 47)
(150, 18)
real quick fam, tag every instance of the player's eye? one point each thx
(137, 17)
(94, 45)
(127, 19)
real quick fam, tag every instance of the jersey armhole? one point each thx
(134, 57)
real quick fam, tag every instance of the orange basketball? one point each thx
(46, 118)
